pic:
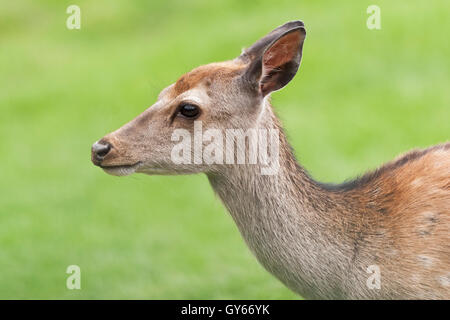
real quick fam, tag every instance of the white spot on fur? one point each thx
(417, 182)
(428, 214)
(425, 260)
(444, 280)
(415, 278)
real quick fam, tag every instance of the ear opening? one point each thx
(281, 60)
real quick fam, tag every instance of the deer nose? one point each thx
(99, 151)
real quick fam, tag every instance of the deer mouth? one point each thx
(121, 170)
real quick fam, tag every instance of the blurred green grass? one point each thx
(360, 98)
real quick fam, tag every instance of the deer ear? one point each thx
(281, 60)
(273, 65)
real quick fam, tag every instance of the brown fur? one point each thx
(404, 208)
(206, 75)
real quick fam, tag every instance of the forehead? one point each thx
(206, 75)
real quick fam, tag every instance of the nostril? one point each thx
(101, 149)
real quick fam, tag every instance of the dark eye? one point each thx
(189, 110)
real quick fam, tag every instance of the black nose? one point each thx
(99, 151)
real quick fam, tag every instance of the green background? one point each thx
(360, 98)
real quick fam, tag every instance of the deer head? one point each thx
(221, 95)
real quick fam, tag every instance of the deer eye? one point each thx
(188, 110)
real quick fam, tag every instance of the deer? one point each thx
(320, 240)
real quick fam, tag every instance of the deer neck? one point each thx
(288, 221)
